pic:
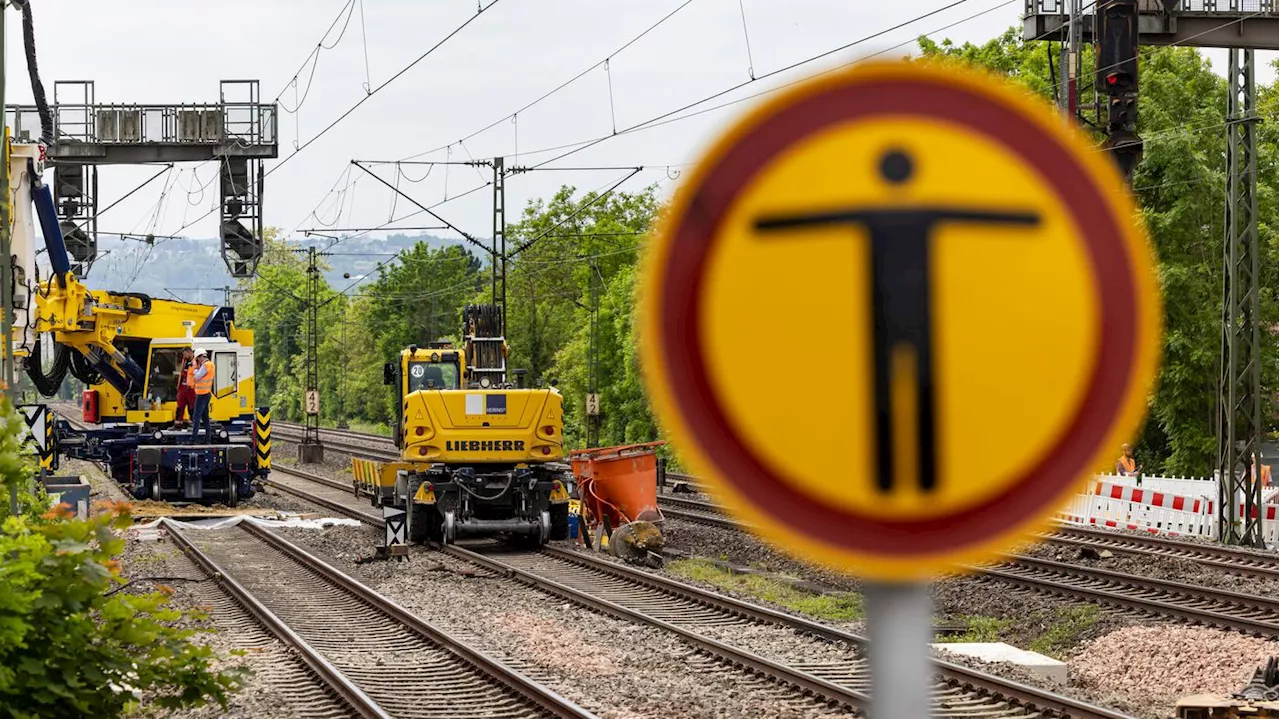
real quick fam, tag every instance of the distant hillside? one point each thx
(193, 270)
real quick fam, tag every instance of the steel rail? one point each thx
(354, 697)
(347, 510)
(534, 692)
(950, 674)
(733, 655)
(1059, 582)
(1225, 558)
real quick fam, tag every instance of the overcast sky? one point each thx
(149, 51)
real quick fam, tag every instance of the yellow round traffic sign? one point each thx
(897, 316)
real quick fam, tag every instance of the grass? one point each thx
(366, 427)
(832, 607)
(980, 629)
(1068, 624)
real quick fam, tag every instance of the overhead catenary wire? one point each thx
(313, 58)
(654, 122)
(336, 121)
(665, 118)
(465, 235)
(577, 211)
(582, 73)
(771, 73)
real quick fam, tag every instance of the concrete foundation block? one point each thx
(1033, 662)
(310, 453)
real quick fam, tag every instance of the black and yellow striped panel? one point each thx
(48, 453)
(262, 436)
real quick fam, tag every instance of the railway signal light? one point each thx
(1116, 47)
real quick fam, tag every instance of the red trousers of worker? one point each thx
(186, 401)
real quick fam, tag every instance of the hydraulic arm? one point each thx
(79, 320)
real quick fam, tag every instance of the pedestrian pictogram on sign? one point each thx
(948, 248)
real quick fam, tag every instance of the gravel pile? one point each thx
(1171, 661)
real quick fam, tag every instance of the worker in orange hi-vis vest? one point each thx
(1265, 477)
(202, 383)
(186, 395)
(1127, 465)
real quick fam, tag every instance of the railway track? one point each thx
(304, 680)
(1225, 558)
(379, 657)
(340, 440)
(1150, 597)
(694, 614)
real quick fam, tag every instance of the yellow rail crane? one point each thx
(479, 456)
(125, 347)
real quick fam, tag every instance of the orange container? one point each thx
(618, 483)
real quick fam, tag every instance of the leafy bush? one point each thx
(69, 645)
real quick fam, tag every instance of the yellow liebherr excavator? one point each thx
(479, 456)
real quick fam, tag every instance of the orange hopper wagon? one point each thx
(618, 487)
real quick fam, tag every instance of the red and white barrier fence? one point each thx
(1120, 505)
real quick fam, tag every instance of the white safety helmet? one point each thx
(202, 353)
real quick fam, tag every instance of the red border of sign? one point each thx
(762, 485)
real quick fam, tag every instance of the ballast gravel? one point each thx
(1161, 664)
(532, 630)
(267, 660)
(617, 669)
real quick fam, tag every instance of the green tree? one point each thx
(70, 645)
(548, 282)
(1179, 186)
(274, 305)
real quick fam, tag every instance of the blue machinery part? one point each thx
(171, 465)
(42, 198)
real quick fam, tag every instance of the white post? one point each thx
(900, 622)
(22, 241)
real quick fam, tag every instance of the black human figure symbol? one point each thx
(900, 304)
